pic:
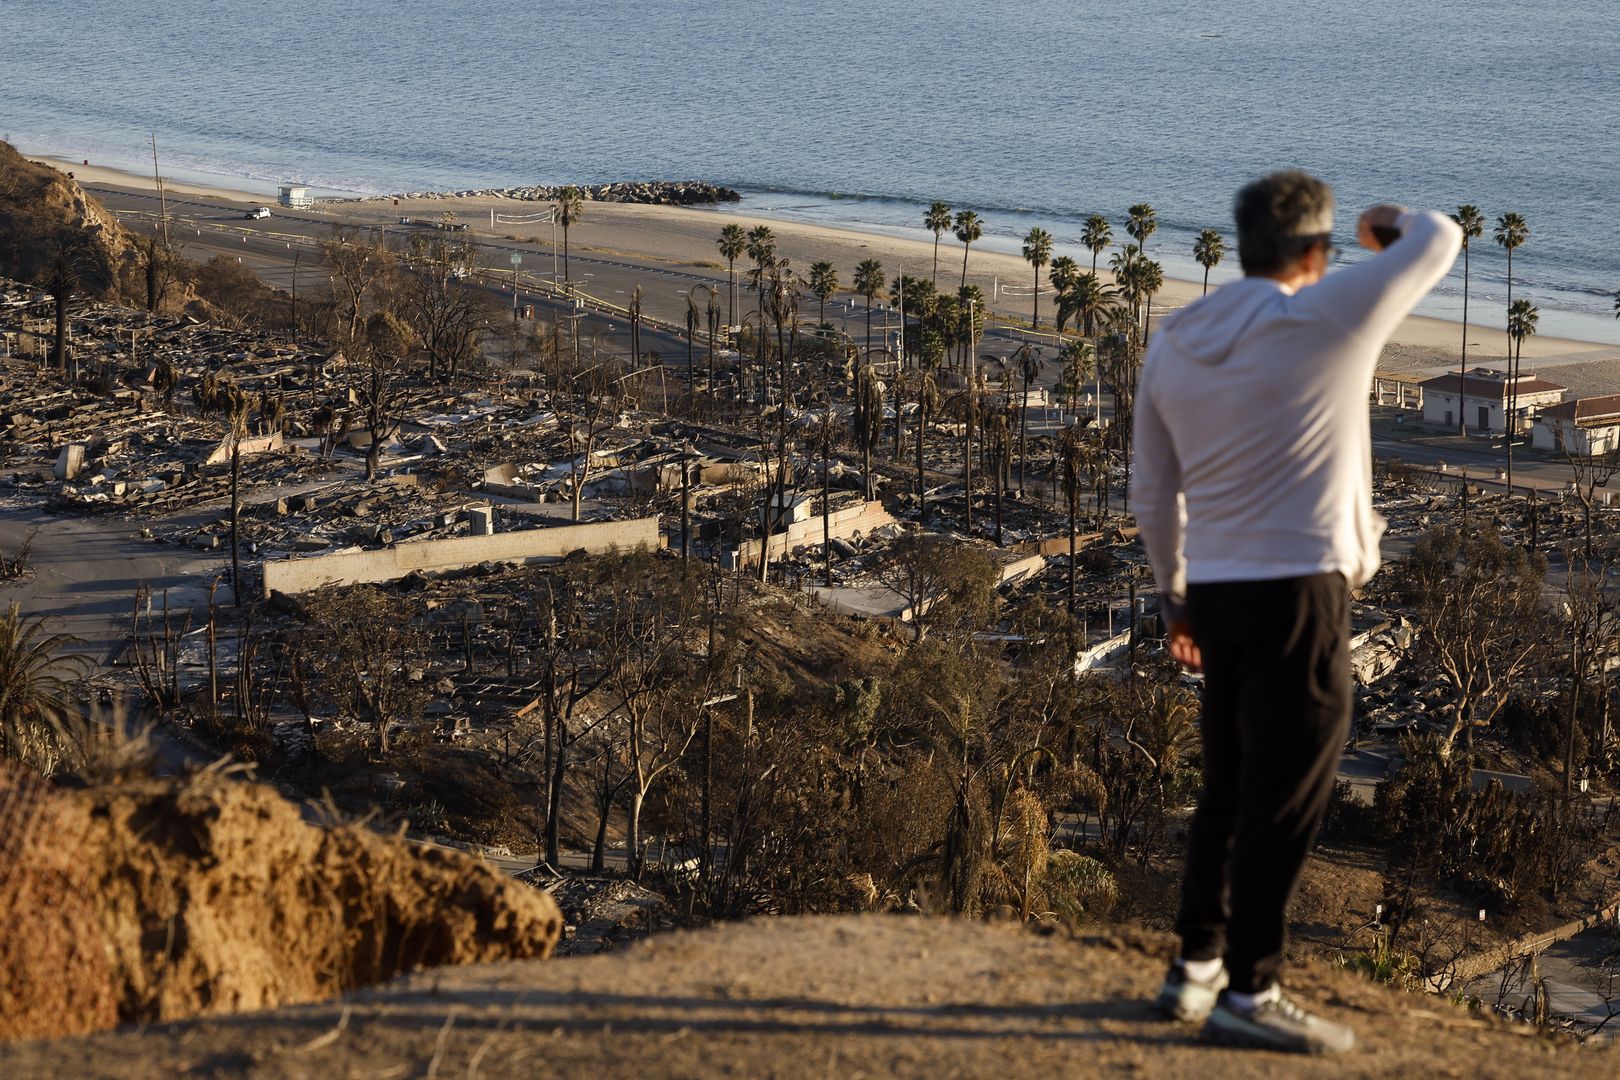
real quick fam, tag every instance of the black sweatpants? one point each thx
(1277, 702)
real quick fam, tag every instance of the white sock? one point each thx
(1201, 970)
(1247, 1002)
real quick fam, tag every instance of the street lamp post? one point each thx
(517, 261)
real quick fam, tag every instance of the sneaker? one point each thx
(1184, 998)
(1276, 1024)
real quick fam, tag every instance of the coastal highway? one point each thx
(282, 250)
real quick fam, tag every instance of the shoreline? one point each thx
(685, 235)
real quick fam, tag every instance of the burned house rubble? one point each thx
(166, 422)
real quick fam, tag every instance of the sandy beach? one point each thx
(685, 236)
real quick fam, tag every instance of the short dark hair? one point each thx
(1279, 217)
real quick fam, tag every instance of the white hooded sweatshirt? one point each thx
(1253, 454)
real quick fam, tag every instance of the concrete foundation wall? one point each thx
(291, 576)
(251, 447)
(1059, 545)
(861, 518)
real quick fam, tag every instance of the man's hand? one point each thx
(1183, 647)
(1375, 220)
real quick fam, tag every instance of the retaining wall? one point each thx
(290, 576)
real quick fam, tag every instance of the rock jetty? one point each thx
(654, 192)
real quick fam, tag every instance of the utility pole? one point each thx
(686, 504)
(163, 202)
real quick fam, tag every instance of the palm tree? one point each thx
(1143, 222)
(1072, 466)
(869, 282)
(1086, 299)
(1062, 274)
(1150, 276)
(998, 435)
(926, 392)
(570, 208)
(1521, 323)
(1096, 235)
(1208, 249)
(827, 427)
(965, 404)
(1473, 227)
(823, 283)
(1076, 359)
(937, 219)
(35, 689)
(1027, 363)
(968, 229)
(732, 244)
(692, 317)
(866, 420)
(761, 247)
(1037, 252)
(1511, 233)
(1127, 279)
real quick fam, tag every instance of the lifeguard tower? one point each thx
(296, 196)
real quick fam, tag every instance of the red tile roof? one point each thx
(1494, 389)
(1586, 411)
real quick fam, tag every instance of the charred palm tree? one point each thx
(867, 421)
(966, 404)
(1072, 467)
(925, 391)
(1027, 364)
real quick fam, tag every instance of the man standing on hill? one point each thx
(1253, 489)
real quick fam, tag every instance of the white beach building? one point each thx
(296, 196)
(1484, 399)
(1583, 427)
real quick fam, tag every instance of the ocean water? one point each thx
(1039, 112)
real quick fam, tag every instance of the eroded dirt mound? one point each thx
(872, 996)
(155, 900)
(54, 972)
(45, 216)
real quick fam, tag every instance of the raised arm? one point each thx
(1371, 298)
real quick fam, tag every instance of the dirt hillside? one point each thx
(859, 996)
(154, 900)
(43, 214)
